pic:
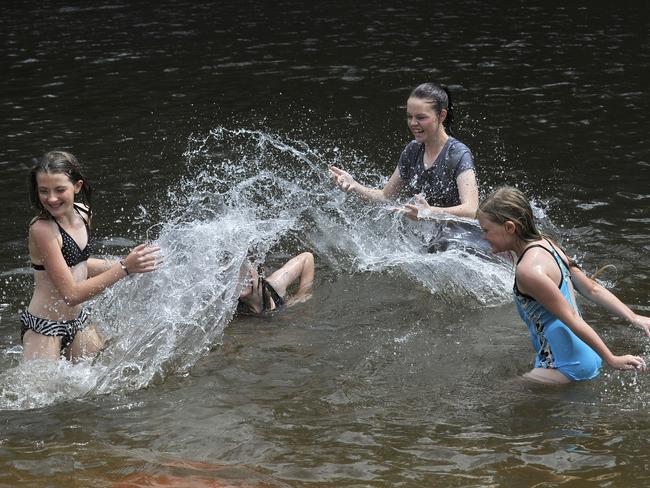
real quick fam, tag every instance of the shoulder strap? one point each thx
(528, 249)
(552, 253)
(568, 266)
(268, 292)
(82, 208)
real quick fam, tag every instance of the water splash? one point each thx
(249, 195)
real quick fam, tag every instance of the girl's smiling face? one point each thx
(422, 120)
(56, 192)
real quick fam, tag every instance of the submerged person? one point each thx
(264, 294)
(567, 348)
(435, 166)
(65, 274)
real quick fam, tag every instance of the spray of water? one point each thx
(245, 195)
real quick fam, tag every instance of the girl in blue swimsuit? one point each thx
(567, 348)
(65, 274)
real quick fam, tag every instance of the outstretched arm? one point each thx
(299, 268)
(347, 183)
(97, 266)
(605, 298)
(141, 259)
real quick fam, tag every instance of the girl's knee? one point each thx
(87, 342)
(546, 376)
(307, 259)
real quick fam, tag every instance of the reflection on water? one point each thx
(210, 130)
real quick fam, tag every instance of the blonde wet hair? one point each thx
(510, 204)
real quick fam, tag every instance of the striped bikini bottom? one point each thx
(65, 329)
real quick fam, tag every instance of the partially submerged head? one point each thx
(247, 277)
(58, 162)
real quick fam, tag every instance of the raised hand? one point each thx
(343, 179)
(143, 259)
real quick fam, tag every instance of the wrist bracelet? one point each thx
(124, 267)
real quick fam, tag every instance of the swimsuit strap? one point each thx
(269, 293)
(72, 257)
(566, 264)
(553, 252)
(78, 208)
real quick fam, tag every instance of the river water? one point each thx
(208, 128)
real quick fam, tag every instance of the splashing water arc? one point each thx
(253, 195)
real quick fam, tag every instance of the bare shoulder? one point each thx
(41, 228)
(536, 265)
(529, 267)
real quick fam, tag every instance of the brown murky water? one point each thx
(403, 368)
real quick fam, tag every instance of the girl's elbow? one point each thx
(471, 207)
(309, 265)
(386, 194)
(592, 289)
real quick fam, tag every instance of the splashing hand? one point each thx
(628, 362)
(420, 210)
(343, 179)
(143, 259)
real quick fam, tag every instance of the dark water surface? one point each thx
(210, 126)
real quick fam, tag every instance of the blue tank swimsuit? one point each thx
(556, 345)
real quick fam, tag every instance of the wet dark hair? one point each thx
(508, 203)
(57, 162)
(438, 96)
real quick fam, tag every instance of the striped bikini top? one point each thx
(71, 251)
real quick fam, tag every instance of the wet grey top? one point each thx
(438, 183)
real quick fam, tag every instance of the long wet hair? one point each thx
(438, 96)
(54, 162)
(508, 203)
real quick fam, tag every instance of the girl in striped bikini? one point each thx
(65, 276)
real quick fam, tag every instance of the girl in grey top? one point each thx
(435, 166)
